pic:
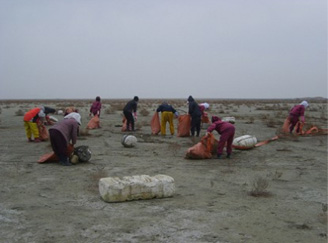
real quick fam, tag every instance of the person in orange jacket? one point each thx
(30, 123)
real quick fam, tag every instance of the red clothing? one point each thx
(95, 108)
(295, 113)
(297, 110)
(31, 114)
(227, 131)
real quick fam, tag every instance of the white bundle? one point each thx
(114, 189)
(246, 141)
(230, 119)
(129, 141)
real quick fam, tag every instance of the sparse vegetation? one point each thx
(259, 187)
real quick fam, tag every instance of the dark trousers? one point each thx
(129, 120)
(58, 144)
(195, 125)
(293, 121)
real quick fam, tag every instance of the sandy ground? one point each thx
(53, 203)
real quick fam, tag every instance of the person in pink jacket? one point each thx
(227, 132)
(296, 114)
(95, 107)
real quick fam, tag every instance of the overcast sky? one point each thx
(163, 48)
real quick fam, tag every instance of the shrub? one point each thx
(259, 186)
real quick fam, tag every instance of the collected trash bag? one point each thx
(204, 149)
(94, 123)
(184, 126)
(43, 133)
(205, 118)
(83, 153)
(244, 142)
(50, 157)
(124, 126)
(155, 124)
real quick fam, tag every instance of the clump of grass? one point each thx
(19, 113)
(250, 120)
(144, 112)
(84, 132)
(259, 187)
(110, 110)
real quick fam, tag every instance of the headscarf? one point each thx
(215, 119)
(206, 105)
(304, 103)
(75, 116)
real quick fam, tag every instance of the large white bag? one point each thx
(244, 142)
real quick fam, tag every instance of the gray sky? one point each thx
(163, 49)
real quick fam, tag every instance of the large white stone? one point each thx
(115, 189)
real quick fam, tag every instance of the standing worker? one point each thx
(296, 114)
(32, 119)
(95, 107)
(130, 113)
(195, 113)
(167, 116)
(62, 133)
(227, 132)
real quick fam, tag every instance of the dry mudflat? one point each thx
(213, 201)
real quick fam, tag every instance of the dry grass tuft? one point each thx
(144, 112)
(259, 186)
(19, 113)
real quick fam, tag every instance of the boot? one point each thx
(228, 156)
(30, 140)
(37, 140)
(63, 160)
(219, 156)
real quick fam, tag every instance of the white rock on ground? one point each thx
(114, 189)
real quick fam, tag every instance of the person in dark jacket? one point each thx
(95, 107)
(62, 133)
(227, 132)
(130, 113)
(195, 114)
(296, 114)
(167, 116)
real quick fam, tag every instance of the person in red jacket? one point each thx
(227, 132)
(95, 107)
(296, 114)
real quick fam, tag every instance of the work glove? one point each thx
(135, 116)
(303, 119)
(176, 114)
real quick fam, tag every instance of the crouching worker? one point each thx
(227, 132)
(296, 114)
(31, 119)
(167, 116)
(62, 133)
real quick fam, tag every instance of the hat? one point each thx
(136, 98)
(206, 105)
(304, 103)
(215, 119)
(190, 98)
(75, 116)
